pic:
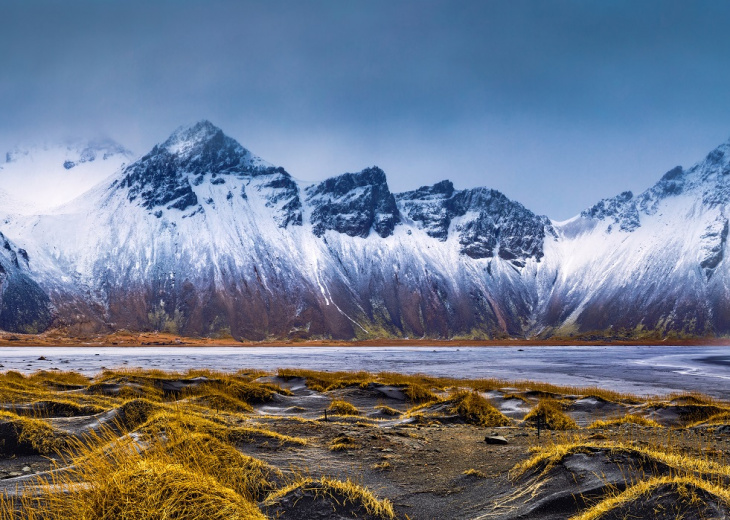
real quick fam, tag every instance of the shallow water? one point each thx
(640, 370)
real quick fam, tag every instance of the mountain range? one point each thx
(200, 237)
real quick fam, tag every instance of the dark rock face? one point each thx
(672, 183)
(220, 272)
(158, 182)
(165, 177)
(24, 306)
(283, 195)
(353, 204)
(501, 225)
(713, 242)
(498, 226)
(427, 206)
(621, 209)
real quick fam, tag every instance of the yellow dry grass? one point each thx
(471, 472)
(322, 381)
(686, 487)
(343, 493)
(29, 434)
(716, 419)
(475, 409)
(188, 475)
(202, 453)
(417, 393)
(220, 401)
(547, 456)
(552, 414)
(626, 419)
(387, 410)
(342, 407)
(343, 443)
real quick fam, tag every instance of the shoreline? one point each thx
(147, 339)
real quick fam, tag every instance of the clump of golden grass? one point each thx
(136, 412)
(471, 472)
(262, 435)
(343, 443)
(387, 410)
(691, 409)
(202, 453)
(688, 488)
(716, 419)
(342, 407)
(63, 408)
(251, 393)
(694, 398)
(141, 490)
(626, 419)
(552, 414)
(323, 381)
(515, 396)
(153, 489)
(58, 378)
(475, 409)
(217, 400)
(381, 466)
(547, 456)
(183, 474)
(416, 393)
(171, 419)
(25, 434)
(344, 495)
(189, 476)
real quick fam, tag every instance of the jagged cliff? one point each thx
(201, 237)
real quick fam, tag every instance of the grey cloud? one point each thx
(557, 103)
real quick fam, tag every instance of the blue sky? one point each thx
(555, 103)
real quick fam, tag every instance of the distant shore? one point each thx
(134, 339)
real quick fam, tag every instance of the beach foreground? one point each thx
(305, 445)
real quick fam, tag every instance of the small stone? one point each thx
(14, 474)
(495, 439)
(42, 358)
(26, 469)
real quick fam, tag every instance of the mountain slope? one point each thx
(24, 306)
(38, 178)
(654, 261)
(201, 237)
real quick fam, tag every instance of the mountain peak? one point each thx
(188, 136)
(193, 154)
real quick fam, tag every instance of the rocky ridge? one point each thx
(201, 237)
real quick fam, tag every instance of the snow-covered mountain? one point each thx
(201, 237)
(35, 179)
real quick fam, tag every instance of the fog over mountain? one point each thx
(556, 104)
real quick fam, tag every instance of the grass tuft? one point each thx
(346, 497)
(688, 489)
(387, 410)
(626, 419)
(471, 472)
(475, 409)
(25, 435)
(341, 407)
(552, 414)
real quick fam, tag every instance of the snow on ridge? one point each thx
(457, 260)
(42, 177)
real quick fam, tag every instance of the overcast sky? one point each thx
(555, 103)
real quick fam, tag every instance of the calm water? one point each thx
(641, 370)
